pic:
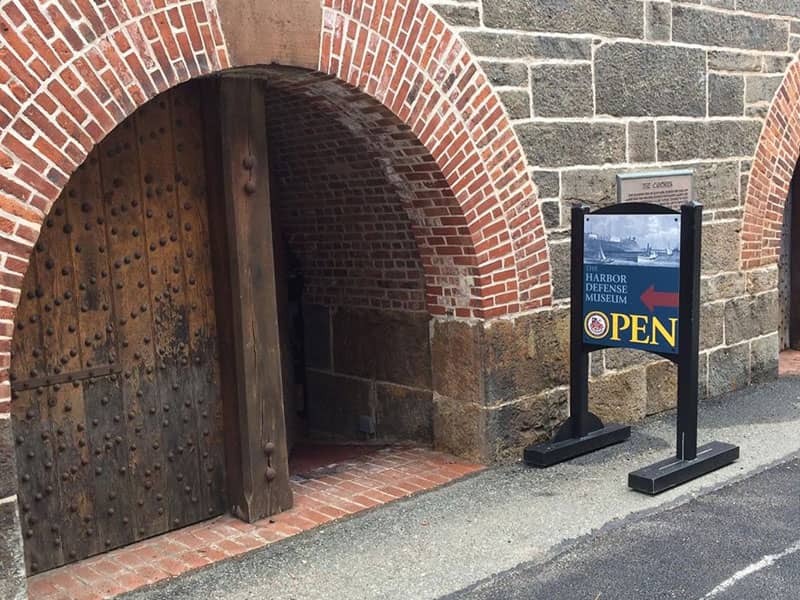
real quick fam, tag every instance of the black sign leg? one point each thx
(690, 461)
(583, 431)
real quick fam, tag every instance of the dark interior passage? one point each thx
(353, 276)
(789, 268)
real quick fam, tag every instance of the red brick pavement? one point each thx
(789, 362)
(356, 482)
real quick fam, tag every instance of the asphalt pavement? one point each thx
(516, 532)
(741, 542)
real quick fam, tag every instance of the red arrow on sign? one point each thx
(652, 298)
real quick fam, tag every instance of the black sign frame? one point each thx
(584, 432)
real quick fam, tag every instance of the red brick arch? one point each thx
(771, 174)
(72, 70)
(403, 54)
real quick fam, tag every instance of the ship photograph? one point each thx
(632, 240)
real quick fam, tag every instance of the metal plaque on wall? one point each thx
(665, 188)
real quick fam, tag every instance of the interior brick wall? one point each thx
(339, 212)
(344, 209)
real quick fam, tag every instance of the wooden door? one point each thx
(116, 402)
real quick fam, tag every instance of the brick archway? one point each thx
(71, 72)
(771, 174)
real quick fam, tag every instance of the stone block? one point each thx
(506, 73)
(745, 179)
(526, 356)
(388, 345)
(716, 184)
(761, 88)
(728, 369)
(712, 319)
(403, 414)
(658, 21)
(764, 358)
(465, 16)
(8, 470)
(593, 187)
(739, 322)
(721, 287)
(458, 428)
(456, 360)
(776, 64)
(725, 95)
(511, 427)
(789, 8)
(710, 28)
(13, 585)
(756, 111)
(634, 80)
(571, 143)
(762, 280)
(560, 265)
(334, 403)
(548, 183)
(621, 18)
(622, 358)
(551, 213)
(597, 363)
(720, 247)
(562, 90)
(720, 60)
(662, 387)
(317, 336)
(766, 312)
(517, 103)
(641, 141)
(514, 45)
(702, 376)
(686, 140)
(620, 397)
(730, 213)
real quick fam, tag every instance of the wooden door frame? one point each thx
(251, 378)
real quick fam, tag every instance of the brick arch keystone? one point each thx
(771, 174)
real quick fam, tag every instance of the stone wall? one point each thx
(372, 363)
(598, 88)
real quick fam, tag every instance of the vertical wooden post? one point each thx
(256, 443)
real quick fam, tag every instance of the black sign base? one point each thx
(672, 472)
(551, 453)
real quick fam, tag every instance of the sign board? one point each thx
(665, 188)
(635, 283)
(631, 280)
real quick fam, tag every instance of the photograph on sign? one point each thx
(631, 281)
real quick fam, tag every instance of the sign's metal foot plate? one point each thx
(551, 453)
(672, 472)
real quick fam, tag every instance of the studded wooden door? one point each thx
(116, 403)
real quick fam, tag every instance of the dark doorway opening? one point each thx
(357, 361)
(789, 269)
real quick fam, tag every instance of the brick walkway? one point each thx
(356, 482)
(789, 362)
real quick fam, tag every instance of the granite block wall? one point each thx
(599, 88)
